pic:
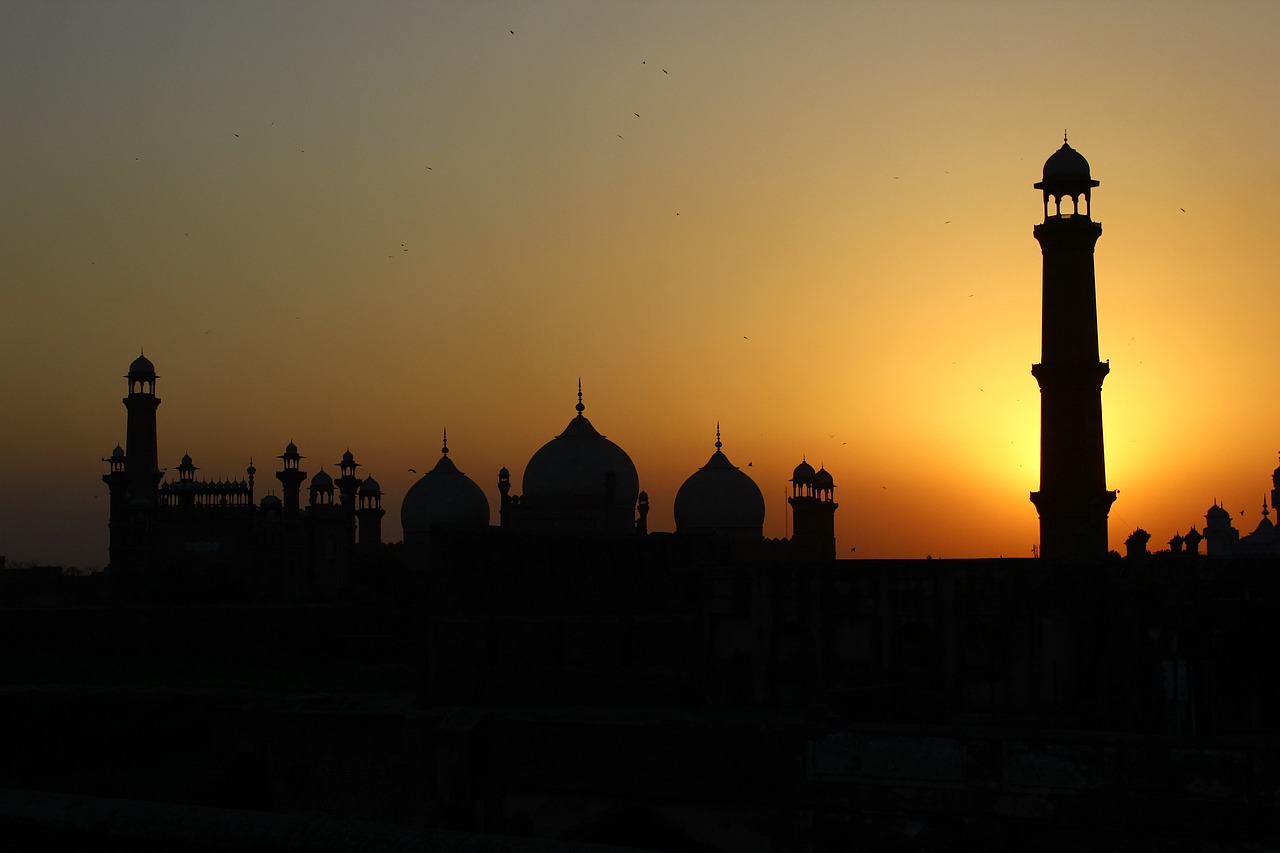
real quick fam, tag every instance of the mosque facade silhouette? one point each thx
(570, 676)
(579, 482)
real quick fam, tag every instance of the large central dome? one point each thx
(578, 465)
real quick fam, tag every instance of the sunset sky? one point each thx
(357, 224)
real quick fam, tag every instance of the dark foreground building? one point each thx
(567, 680)
(659, 692)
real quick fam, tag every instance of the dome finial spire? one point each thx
(1064, 136)
(445, 443)
(717, 435)
(580, 407)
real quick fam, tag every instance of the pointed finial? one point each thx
(445, 448)
(580, 407)
(1265, 512)
(717, 435)
(1064, 136)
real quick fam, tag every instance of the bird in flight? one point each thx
(413, 470)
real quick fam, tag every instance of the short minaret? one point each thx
(642, 513)
(348, 485)
(813, 513)
(506, 501)
(141, 454)
(370, 513)
(291, 477)
(187, 478)
(118, 523)
(1073, 500)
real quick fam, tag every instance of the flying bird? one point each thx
(413, 470)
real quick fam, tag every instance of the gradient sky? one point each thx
(357, 224)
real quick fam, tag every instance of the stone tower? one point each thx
(813, 513)
(141, 466)
(1073, 500)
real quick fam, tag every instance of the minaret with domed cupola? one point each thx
(1073, 500)
(291, 477)
(141, 465)
(813, 512)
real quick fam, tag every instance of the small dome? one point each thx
(270, 502)
(1066, 163)
(720, 499)
(321, 481)
(370, 487)
(444, 495)
(804, 473)
(186, 459)
(142, 368)
(290, 449)
(823, 479)
(1217, 513)
(348, 459)
(118, 452)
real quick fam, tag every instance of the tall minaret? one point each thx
(141, 455)
(1073, 500)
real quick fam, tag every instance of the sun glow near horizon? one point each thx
(812, 227)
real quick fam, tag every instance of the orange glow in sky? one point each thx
(356, 225)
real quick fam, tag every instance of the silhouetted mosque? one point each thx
(1223, 539)
(271, 676)
(277, 546)
(579, 482)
